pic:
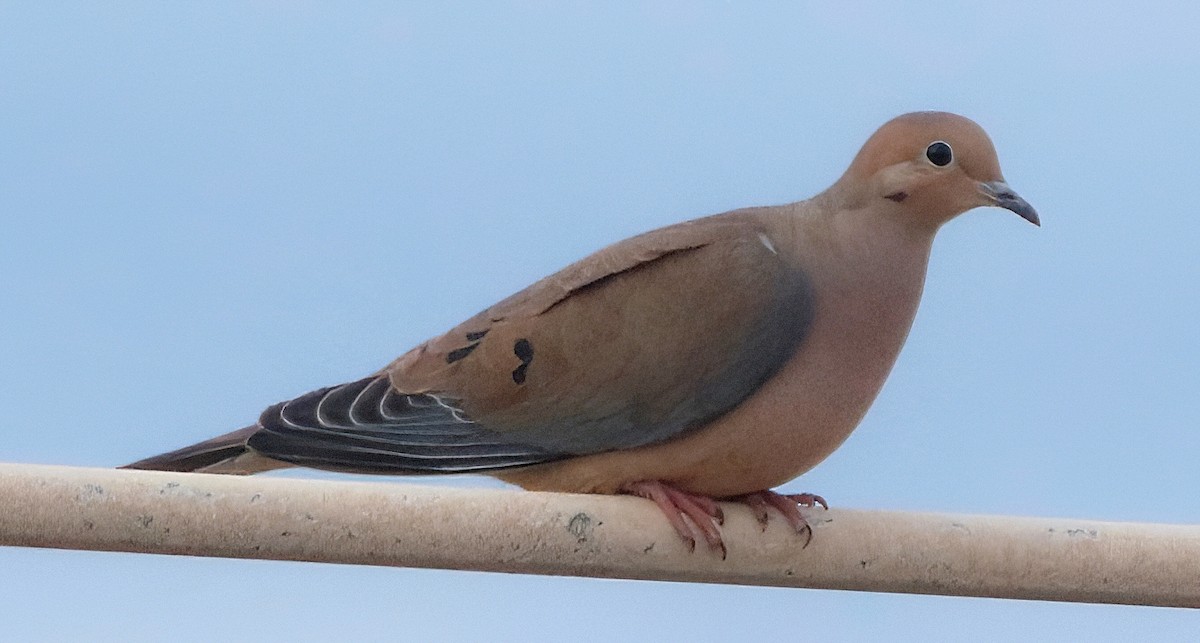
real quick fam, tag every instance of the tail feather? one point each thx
(198, 456)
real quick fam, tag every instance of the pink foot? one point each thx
(703, 515)
(788, 505)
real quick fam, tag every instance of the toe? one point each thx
(693, 517)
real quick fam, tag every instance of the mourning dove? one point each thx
(712, 359)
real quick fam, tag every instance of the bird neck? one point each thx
(866, 250)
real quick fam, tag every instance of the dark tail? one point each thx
(220, 449)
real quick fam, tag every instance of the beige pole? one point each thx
(407, 525)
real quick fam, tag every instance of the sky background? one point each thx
(209, 207)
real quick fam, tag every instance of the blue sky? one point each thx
(211, 207)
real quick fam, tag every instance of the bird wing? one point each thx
(636, 344)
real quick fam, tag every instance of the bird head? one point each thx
(931, 167)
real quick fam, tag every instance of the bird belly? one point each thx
(794, 422)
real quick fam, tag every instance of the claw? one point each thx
(808, 500)
(759, 507)
(693, 517)
(787, 505)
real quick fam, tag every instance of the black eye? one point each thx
(939, 153)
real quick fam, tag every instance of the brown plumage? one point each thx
(711, 359)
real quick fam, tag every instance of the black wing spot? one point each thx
(459, 353)
(523, 349)
(897, 196)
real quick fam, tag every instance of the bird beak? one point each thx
(1003, 196)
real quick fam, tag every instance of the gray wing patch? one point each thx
(674, 398)
(368, 427)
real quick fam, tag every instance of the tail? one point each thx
(223, 454)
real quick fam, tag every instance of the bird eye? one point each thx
(939, 153)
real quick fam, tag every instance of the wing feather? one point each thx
(367, 426)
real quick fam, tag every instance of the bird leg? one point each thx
(788, 505)
(696, 517)
(693, 517)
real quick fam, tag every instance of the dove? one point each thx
(706, 361)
